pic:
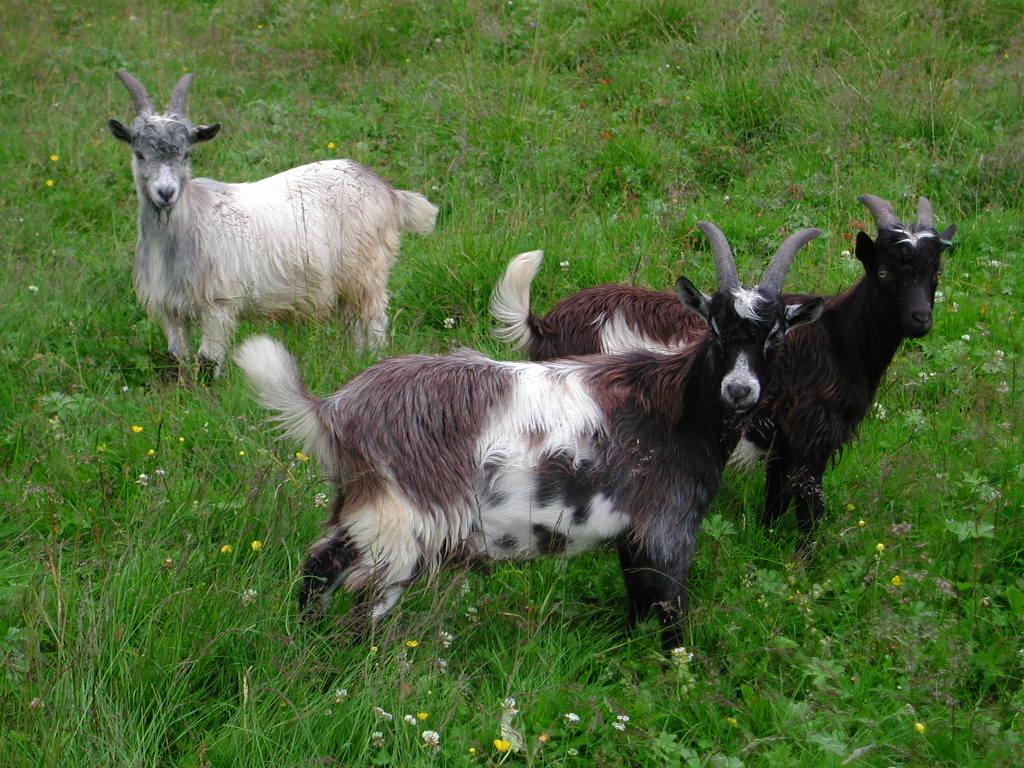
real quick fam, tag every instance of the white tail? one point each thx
(418, 214)
(510, 303)
(279, 386)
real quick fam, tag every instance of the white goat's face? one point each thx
(162, 149)
(162, 144)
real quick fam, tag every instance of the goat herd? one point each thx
(619, 429)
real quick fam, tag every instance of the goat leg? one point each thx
(777, 495)
(654, 586)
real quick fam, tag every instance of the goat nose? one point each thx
(166, 193)
(738, 392)
(921, 316)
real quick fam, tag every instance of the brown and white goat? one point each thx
(460, 454)
(826, 375)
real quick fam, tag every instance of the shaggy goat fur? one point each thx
(295, 243)
(460, 454)
(826, 374)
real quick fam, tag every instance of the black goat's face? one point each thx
(904, 264)
(747, 326)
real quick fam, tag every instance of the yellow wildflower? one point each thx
(181, 439)
(920, 728)
(879, 547)
(896, 580)
(330, 145)
(300, 456)
(136, 428)
(850, 506)
(502, 746)
(861, 523)
(54, 157)
(472, 750)
(421, 715)
(227, 549)
(733, 722)
(49, 182)
(241, 453)
(544, 738)
(411, 643)
(373, 650)
(151, 452)
(256, 545)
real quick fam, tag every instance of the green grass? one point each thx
(601, 133)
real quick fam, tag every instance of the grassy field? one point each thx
(140, 626)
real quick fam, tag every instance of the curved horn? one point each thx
(143, 104)
(725, 267)
(884, 215)
(775, 275)
(925, 217)
(179, 96)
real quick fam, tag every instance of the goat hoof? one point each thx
(207, 370)
(170, 368)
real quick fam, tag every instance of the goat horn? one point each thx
(885, 216)
(775, 275)
(925, 217)
(179, 96)
(725, 267)
(143, 104)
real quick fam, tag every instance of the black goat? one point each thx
(826, 375)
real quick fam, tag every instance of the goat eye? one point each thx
(138, 156)
(883, 273)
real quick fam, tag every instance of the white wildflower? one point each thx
(382, 714)
(564, 265)
(618, 725)
(682, 654)
(572, 752)
(410, 719)
(320, 500)
(340, 694)
(249, 596)
(845, 254)
(446, 639)
(880, 411)
(622, 718)
(34, 288)
(143, 479)
(966, 337)
(509, 705)
(572, 718)
(432, 739)
(449, 323)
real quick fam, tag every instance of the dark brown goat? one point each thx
(826, 374)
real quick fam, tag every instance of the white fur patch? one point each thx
(742, 373)
(746, 303)
(913, 237)
(618, 336)
(746, 454)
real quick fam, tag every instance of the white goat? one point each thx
(294, 243)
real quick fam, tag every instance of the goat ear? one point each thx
(692, 298)
(120, 130)
(800, 314)
(946, 236)
(866, 250)
(205, 132)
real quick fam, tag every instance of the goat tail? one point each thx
(418, 214)
(279, 386)
(510, 303)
